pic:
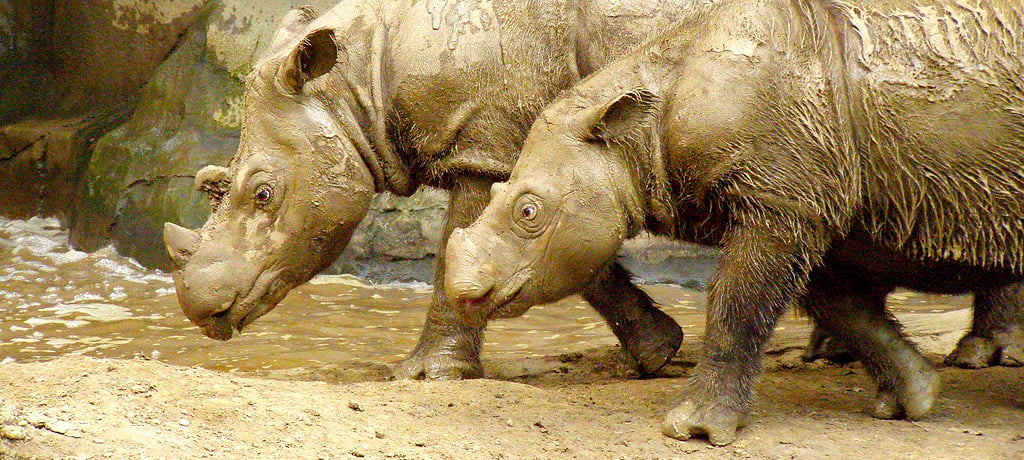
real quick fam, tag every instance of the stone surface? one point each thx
(41, 162)
(655, 259)
(26, 58)
(141, 172)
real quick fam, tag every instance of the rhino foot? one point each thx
(654, 345)
(648, 335)
(691, 418)
(912, 396)
(436, 366)
(1011, 347)
(444, 352)
(1003, 349)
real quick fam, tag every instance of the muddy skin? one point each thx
(833, 151)
(378, 96)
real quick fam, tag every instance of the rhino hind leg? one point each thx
(996, 337)
(648, 335)
(823, 345)
(854, 313)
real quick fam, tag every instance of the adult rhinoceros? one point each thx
(834, 150)
(378, 96)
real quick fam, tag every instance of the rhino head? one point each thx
(571, 201)
(291, 197)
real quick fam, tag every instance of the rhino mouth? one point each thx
(267, 292)
(507, 307)
(503, 302)
(217, 327)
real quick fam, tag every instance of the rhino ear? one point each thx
(214, 181)
(313, 56)
(292, 25)
(627, 118)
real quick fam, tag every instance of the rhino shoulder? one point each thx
(434, 35)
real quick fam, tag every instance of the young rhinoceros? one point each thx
(388, 95)
(834, 150)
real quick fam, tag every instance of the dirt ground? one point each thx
(585, 405)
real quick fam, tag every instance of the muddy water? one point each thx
(57, 301)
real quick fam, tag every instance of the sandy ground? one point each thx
(585, 405)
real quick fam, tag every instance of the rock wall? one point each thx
(108, 107)
(71, 71)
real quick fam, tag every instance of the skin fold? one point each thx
(386, 96)
(834, 151)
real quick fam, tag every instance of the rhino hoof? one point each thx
(975, 352)
(436, 368)
(653, 349)
(972, 352)
(912, 397)
(691, 418)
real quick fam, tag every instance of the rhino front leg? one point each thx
(648, 335)
(763, 267)
(448, 349)
(997, 330)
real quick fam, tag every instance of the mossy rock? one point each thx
(141, 173)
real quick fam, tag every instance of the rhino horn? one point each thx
(180, 243)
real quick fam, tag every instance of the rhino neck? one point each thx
(644, 153)
(652, 182)
(367, 35)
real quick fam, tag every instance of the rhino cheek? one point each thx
(333, 220)
(332, 206)
(578, 248)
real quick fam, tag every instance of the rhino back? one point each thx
(608, 29)
(940, 127)
(467, 77)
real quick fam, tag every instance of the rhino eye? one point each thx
(529, 211)
(264, 193)
(529, 218)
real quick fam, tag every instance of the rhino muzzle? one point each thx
(468, 283)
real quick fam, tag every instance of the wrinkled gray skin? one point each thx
(834, 151)
(378, 96)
